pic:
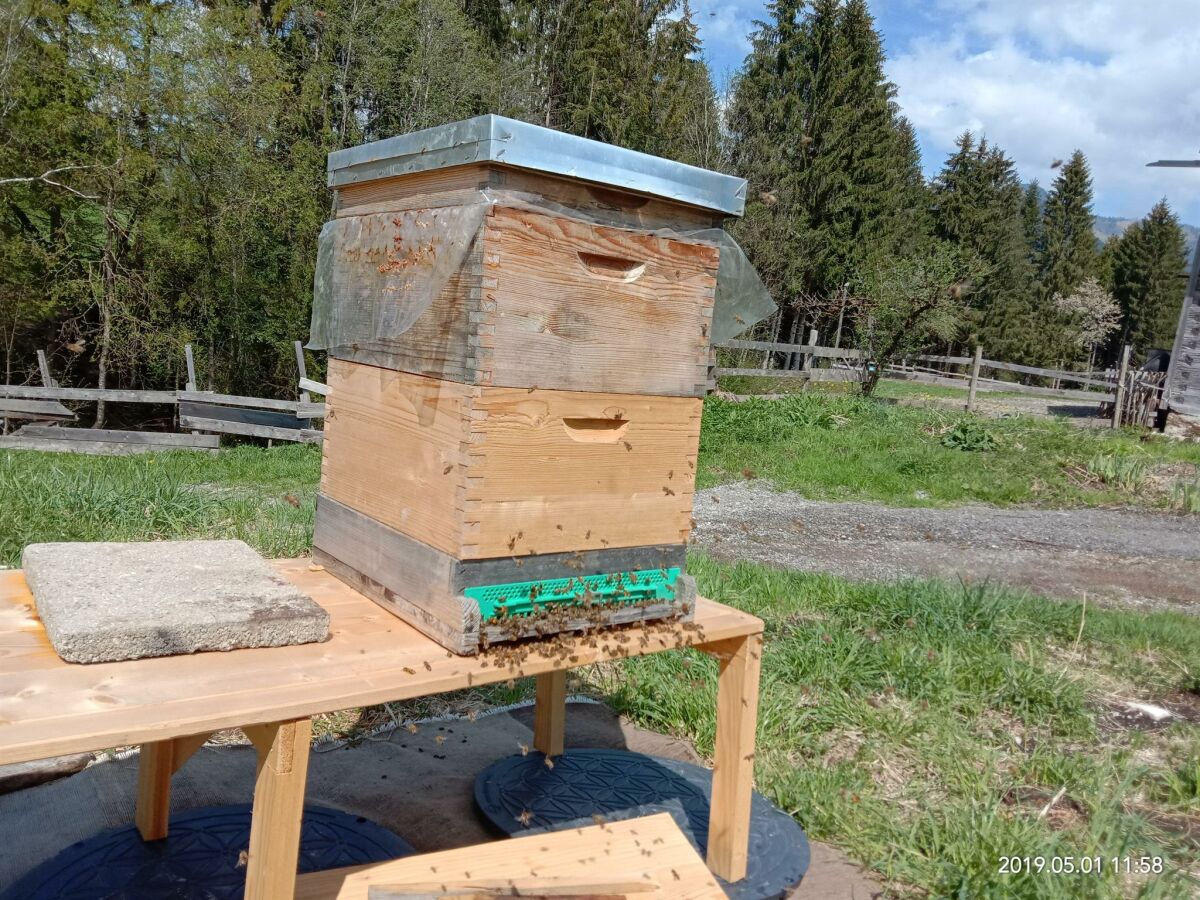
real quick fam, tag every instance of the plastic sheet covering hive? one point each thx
(412, 255)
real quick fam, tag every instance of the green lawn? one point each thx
(265, 497)
(843, 447)
(923, 727)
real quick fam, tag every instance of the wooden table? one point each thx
(172, 704)
(650, 852)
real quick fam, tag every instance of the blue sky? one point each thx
(1114, 78)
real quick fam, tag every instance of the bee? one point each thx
(412, 728)
(525, 817)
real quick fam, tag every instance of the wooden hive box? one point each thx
(517, 361)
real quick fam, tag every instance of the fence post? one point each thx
(807, 357)
(191, 367)
(1122, 374)
(304, 398)
(975, 363)
(44, 368)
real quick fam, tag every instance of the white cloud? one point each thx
(1042, 78)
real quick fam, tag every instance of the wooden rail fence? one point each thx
(207, 414)
(1127, 396)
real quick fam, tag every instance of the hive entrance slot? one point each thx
(595, 431)
(616, 267)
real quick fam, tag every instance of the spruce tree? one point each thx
(1068, 242)
(834, 171)
(1031, 219)
(1149, 279)
(978, 206)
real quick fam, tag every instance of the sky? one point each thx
(1114, 78)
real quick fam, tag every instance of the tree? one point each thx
(833, 168)
(1090, 315)
(1031, 219)
(1149, 279)
(978, 207)
(1068, 241)
(905, 306)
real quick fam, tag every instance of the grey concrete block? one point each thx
(102, 602)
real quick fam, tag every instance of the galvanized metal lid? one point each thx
(496, 139)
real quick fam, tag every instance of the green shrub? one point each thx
(970, 435)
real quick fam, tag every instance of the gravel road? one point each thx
(1117, 557)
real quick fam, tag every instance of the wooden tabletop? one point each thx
(49, 707)
(650, 852)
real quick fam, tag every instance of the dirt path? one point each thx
(1118, 557)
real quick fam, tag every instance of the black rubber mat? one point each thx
(521, 794)
(199, 860)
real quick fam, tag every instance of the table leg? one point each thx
(733, 767)
(278, 808)
(157, 762)
(550, 712)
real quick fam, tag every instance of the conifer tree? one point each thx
(834, 170)
(1149, 278)
(1068, 242)
(1031, 219)
(978, 206)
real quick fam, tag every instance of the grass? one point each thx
(264, 497)
(843, 447)
(923, 727)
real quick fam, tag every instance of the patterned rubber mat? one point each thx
(521, 794)
(201, 859)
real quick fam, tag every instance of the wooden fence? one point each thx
(205, 413)
(1127, 396)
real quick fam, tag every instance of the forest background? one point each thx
(162, 176)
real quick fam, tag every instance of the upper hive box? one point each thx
(496, 253)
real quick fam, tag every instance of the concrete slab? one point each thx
(419, 786)
(102, 602)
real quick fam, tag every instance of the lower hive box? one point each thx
(482, 514)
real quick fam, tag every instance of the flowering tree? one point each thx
(1089, 314)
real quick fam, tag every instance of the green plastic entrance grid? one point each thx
(524, 597)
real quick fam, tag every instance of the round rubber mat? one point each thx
(199, 859)
(521, 794)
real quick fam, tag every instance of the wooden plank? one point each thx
(34, 409)
(550, 713)
(209, 398)
(18, 441)
(649, 850)
(302, 435)
(191, 367)
(733, 763)
(416, 430)
(51, 708)
(117, 395)
(315, 387)
(269, 418)
(975, 363)
(580, 307)
(278, 804)
(301, 371)
(158, 438)
(809, 349)
(1084, 378)
(310, 411)
(44, 370)
(948, 360)
(554, 471)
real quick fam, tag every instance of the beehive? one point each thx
(517, 360)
